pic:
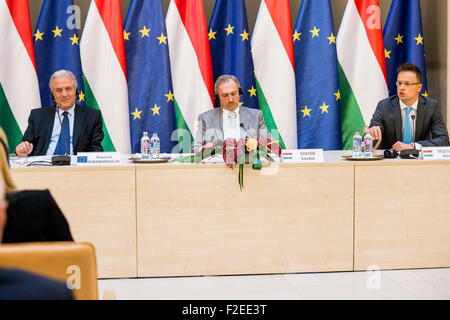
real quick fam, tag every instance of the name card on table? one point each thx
(436, 153)
(98, 159)
(302, 155)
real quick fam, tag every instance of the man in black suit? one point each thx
(21, 285)
(408, 120)
(65, 127)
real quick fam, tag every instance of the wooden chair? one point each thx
(70, 262)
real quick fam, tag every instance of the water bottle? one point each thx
(368, 144)
(145, 146)
(154, 146)
(357, 145)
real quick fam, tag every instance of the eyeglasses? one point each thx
(406, 84)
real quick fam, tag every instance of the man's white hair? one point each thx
(63, 74)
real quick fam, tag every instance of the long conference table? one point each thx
(152, 220)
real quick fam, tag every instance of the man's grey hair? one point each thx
(225, 78)
(63, 74)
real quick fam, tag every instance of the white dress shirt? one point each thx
(57, 129)
(412, 113)
(231, 121)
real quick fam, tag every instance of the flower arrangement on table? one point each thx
(238, 152)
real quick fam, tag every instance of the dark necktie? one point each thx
(63, 145)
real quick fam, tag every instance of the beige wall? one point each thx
(434, 18)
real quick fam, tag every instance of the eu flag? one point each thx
(56, 45)
(316, 76)
(151, 99)
(404, 41)
(229, 39)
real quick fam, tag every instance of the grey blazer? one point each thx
(210, 125)
(430, 129)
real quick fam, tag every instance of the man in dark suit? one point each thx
(230, 120)
(408, 120)
(21, 285)
(65, 127)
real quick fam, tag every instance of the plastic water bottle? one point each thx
(154, 146)
(368, 144)
(357, 145)
(145, 146)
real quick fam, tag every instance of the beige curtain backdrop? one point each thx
(434, 19)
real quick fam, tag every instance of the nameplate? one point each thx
(436, 153)
(98, 159)
(302, 155)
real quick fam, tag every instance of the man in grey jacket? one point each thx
(230, 120)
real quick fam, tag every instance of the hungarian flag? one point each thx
(362, 66)
(273, 57)
(191, 67)
(19, 87)
(104, 71)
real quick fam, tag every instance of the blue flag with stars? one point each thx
(56, 45)
(404, 42)
(229, 39)
(150, 93)
(316, 76)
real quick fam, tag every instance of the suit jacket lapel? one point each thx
(218, 122)
(398, 120)
(78, 124)
(244, 119)
(420, 118)
(49, 118)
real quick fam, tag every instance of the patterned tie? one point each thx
(232, 117)
(407, 131)
(63, 146)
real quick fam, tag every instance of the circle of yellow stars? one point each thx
(145, 32)
(245, 36)
(315, 33)
(58, 33)
(400, 40)
(324, 107)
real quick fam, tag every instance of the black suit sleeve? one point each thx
(378, 118)
(33, 216)
(23, 285)
(97, 134)
(438, 130)
(29, 134)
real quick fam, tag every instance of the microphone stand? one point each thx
(411, 153)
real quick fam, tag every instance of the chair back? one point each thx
(70, 262)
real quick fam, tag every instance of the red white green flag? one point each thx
(362, 66)
(104, 71)
(190, 62)
(19, 86)
(273, 58)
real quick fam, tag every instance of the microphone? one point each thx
(245, 129)
(65, 159)
(413, 118)
(411, 153)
